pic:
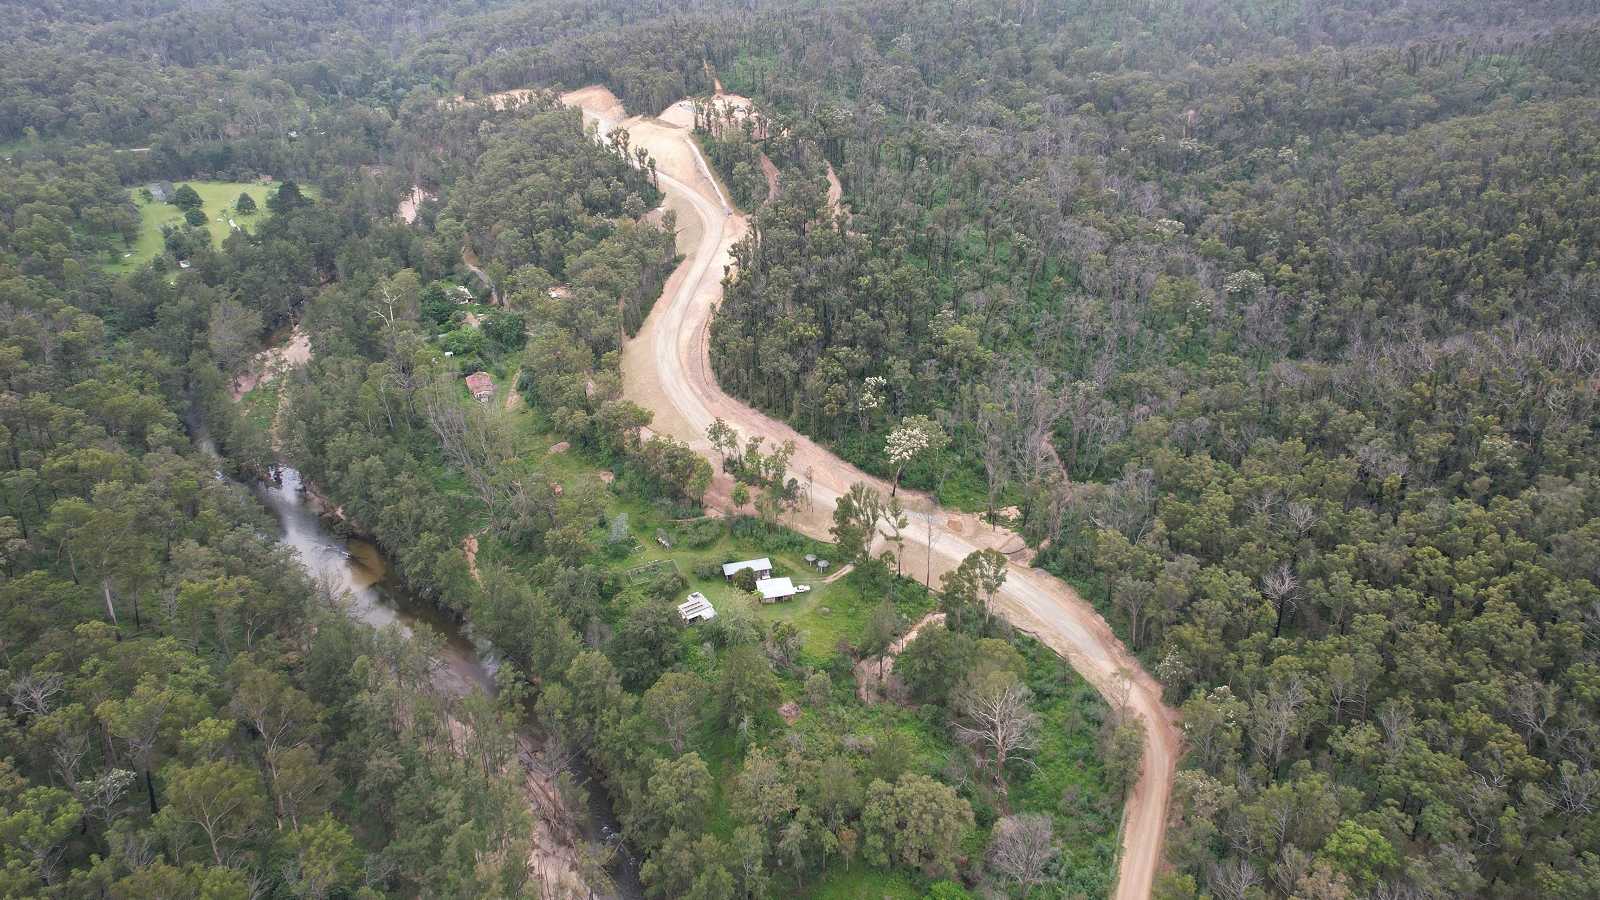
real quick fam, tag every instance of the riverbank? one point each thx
(358, 570)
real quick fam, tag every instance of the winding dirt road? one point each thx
(667, 370)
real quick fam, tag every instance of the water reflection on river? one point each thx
(357, 569)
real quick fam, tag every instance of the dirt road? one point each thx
(835, 190)
(667, 369)
(470, 260)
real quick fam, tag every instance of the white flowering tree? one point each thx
(874, 389)
(1244, 281)
(916, 436)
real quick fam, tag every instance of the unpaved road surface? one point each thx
(875, 674)
(667, 370)
(770, 169)
(470, 260)
(835, 190)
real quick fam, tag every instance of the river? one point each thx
(359, 569)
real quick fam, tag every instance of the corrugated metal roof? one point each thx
(760, 565)
(697, 607)
(775, 588)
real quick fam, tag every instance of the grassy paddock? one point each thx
(260, 404)
(859, 881)
(217, 198)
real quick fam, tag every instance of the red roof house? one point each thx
(481, 384)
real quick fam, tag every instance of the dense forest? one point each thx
(1279, 333)
(187, 713)
(1270, 324)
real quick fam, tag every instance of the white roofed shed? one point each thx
(762, 567)
(774, 589)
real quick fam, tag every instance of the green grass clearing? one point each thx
(860, 881)
(260, 404)
(217, 198)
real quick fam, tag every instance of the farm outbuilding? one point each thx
(481, 384)
(773, 590)
(761, 567)
(697, 609)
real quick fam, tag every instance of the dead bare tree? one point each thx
(1532, 705)
(1128, 504)
(1022, 407)
(1302, 516)
(1576, 791)
(1022, 849)
(1292, 868)
(1275, 719)
(993, 424)
(1280, 586)
(996, 721)
(1233, 878)
(34, 694)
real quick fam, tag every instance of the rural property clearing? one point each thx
(667, 370)
(217, 198)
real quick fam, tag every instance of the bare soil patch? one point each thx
(273, 362)
(413, 200)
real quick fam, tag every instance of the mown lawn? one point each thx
(217, 198)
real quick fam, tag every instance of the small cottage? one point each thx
(481, 384)
(776, 590)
